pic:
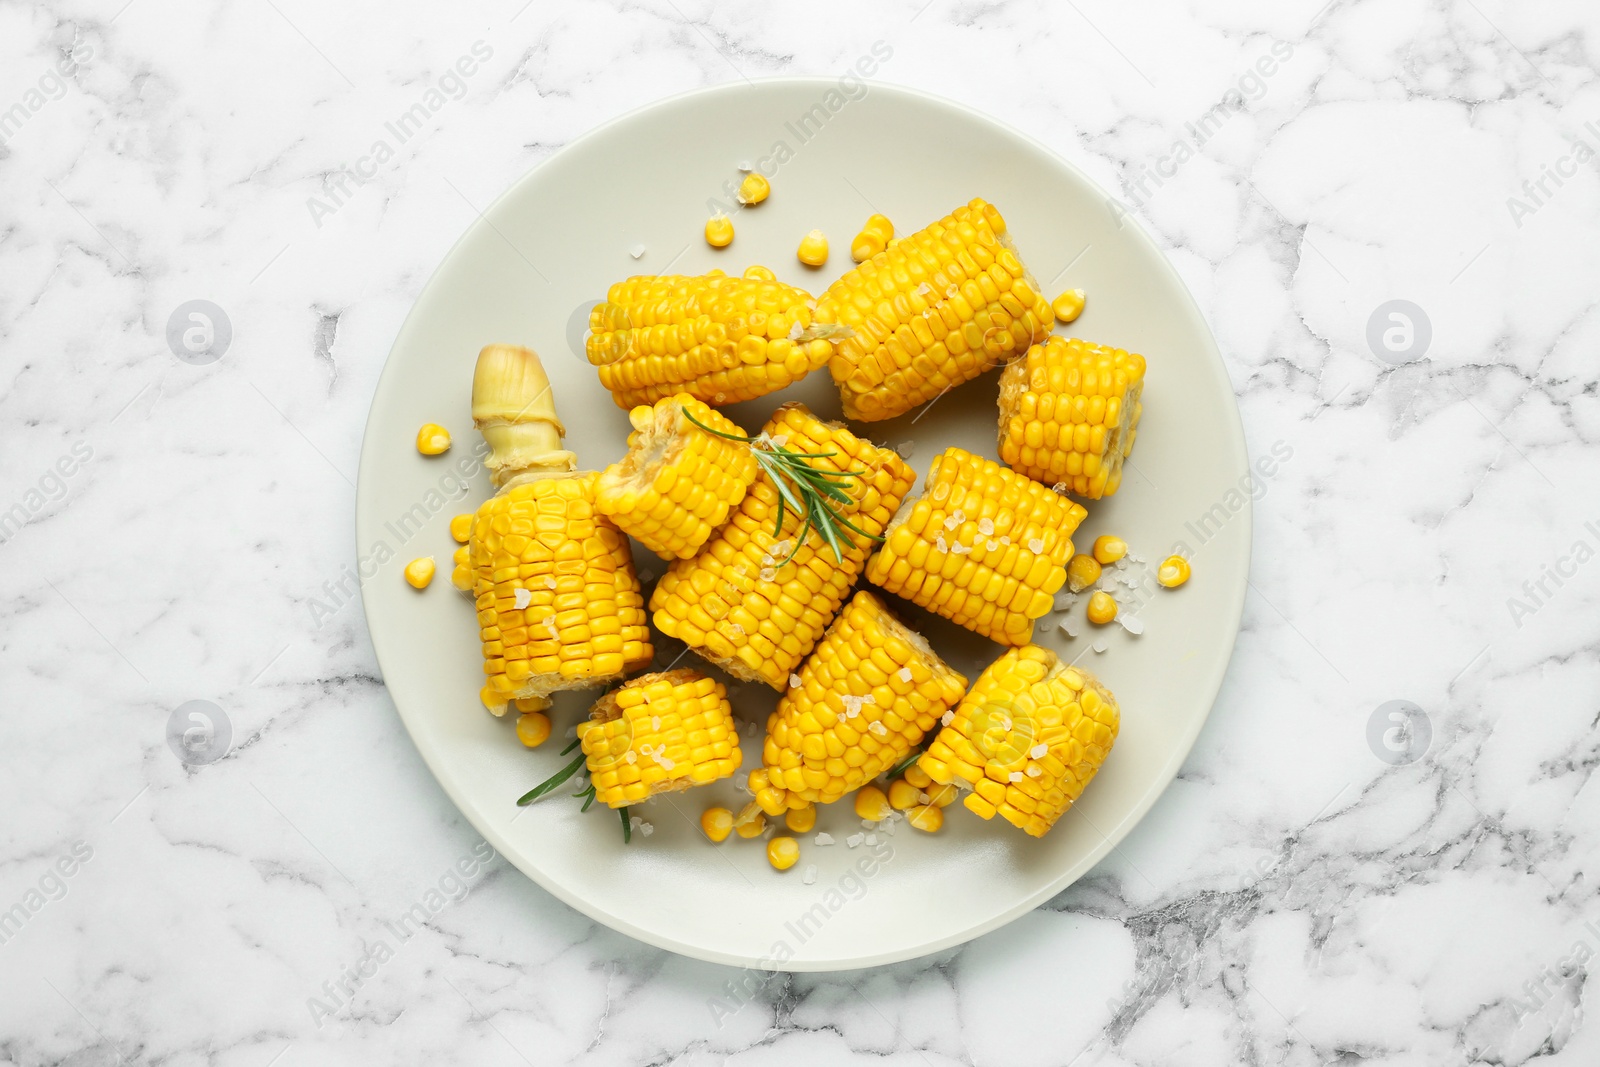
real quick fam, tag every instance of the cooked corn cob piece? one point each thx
(677, 482)
(1069, 411)
(717, 338)
(657, 734)
(743, 603)
(866, 697)
(1026, 739)
(983, 546)
(937, 309)
(559, 605)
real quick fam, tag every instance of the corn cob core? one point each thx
(1027, 739)
(1069, 411)
(734, 605)
(717, 338)
(659, 733)
(515, 410)
(982, 546)
(677, 483)
(866, 697)
(937, 309)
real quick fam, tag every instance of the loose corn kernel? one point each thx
(917, 777)
(873, 238)
(942, 796)
(783, 852)
(983, 547)
(1027, 738)
(813, 249)
(1082, 572)
(719, 231)
(754, 188)
(757, 273)
(1068, 306)
(871, 803)
(533, 728)
(1102, 609)
(1173, 572)
(750, 827)
(659, 733)
(903, 795)
(926, 817)
(419, 572)
(1069, 413)
(801, 820)
(717, 823)
(461, 527)
(433, 439)
(526, 704)
(930, 311)
(494, 700)
(719, 339)
(1108, 548)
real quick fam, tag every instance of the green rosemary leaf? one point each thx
(900, 768)
(549, 784)
(627, 827)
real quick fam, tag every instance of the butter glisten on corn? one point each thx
(982, 546)
(865, 698)
(1069, 411)
(659, 733)
(677, 483)
(1026, 739)
(719, 339)
(559, 605)
(938, 308)
(756, 597)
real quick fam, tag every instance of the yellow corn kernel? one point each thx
(533, 728)
(871, 803)
(917, 777)
(927, 817)
(1069, 413)
(1173, 572)
(1102, 608)
(930, 311)
(659, 733)
(433, 439)
(757, 273)
(754, 188)
(527, 704)
(814, 249)
(1082, 572)
(801, 820)
(903, 795)
(873, 238)
(719, 231)
(1108, 548)
(678, 482)
(719, 339)
(734, 605)
(865, 699)
(983, 546)
(783, 852)
(753, 827)
(1068, 306)
(461, 527)
(942, 796)
(717, 823)
(1027, 738)
(419, 572)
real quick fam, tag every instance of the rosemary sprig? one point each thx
(811, 492)
(587, 794)
(899, 768)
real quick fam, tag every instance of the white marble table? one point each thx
(1310, 891)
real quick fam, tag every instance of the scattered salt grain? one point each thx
(1131, 623)
(1068, 627)
(986, 526)
(630, 756)
(941, 544)
(878, 728)
(1033, 771)
(1014, 776)
(869, 824)
(768, 574)
(958, 515)
(950, 522)
(905, 674)
(1004, 540)
(854, 840)
(778, 441)
(795, 331)
(1100, 646)
(924, 289)
(1037, 751)
(741, 781)
(872, 839)
(794, 681)
(1036, 545)
(947, 718)
(655, 722)
(522, 598)
(646, 829)
(745, 167)
(810, 875)
(823, 839)
(993, 546)
(636, 251)
(960, 549)
(634, 822)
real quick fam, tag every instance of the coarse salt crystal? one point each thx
(869, 824)
(1068, 627)
(794, 681)
(522, 599)
(795, 331)
(823, 839)
(905, 674)
(959, 515)
(634, 822)
(745, 167)
(947, 718)
(941, 544)
(1036, 545)
(655, 722)
(1131, 623)
(1033, 771)
(636, 251)
(986, 526)
(950, 522)
(1004, 540)
(992, 545)
(854, 839)
(778, 441)
(1038, 750)
(878, 728)
(768, 574)
(810, 875)
(960, 550)
(630, 756)
(872, 839)
(646, 829)
(1099, 646)
(1014, 776)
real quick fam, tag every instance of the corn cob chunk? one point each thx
(866, 697)
(983, 546)
(719, 339)
(659, 733)
(1069, 412)
(677, 483)
(936, 309)
(734, 605)
(1027, 739)
(559, 606)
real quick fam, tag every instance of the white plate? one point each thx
(526, 273)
